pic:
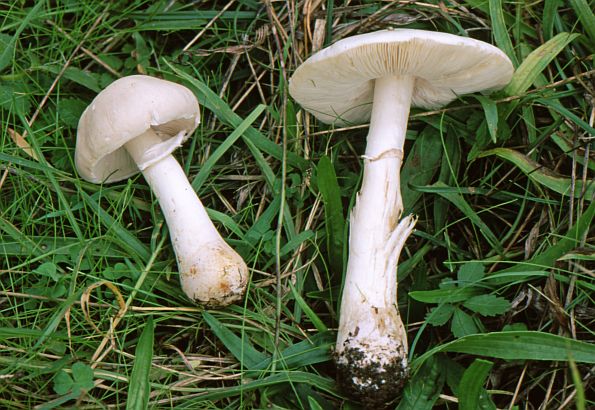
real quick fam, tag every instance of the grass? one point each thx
(496, 285)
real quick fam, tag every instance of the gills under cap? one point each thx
(337, 84)
(127, 108)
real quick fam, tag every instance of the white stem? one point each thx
(210, 270)
(371, 341)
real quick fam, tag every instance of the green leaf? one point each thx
(239, 347)
(421, 165)
(316, 321)
(490, 110)
(440, 314)
(487, 305)
(462, 324)
(470, 273)
(424, 388)
(518, 345)
(126, 239)
(70, 110)
(585, 14)
(542, 175)
(530, 69)
(139, 388)
(63, 382)
(7, 51)
(328, 186)
(499, 29)
(471, 385)
(83, 376)
(48, 269)
(550, 256)
(207, 167)
(450, 295)
(460, 202)
(213, 102)
(316, 349)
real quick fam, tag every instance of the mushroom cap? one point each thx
(125, 109)
(337, 84)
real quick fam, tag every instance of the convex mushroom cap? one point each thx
(127, 108)
(337, 84)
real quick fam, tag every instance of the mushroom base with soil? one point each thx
(211, 272)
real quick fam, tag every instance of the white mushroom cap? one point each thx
(337, 84)
(124, 110)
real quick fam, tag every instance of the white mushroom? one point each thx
(376, 77)
(134, 125)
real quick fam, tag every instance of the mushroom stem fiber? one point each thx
(371, 350)
(211, 272)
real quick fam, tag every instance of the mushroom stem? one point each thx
(211, 271)
(371, 342)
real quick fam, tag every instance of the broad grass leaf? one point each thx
(8, 45)
(334, 216)
(500, 30)
(460, 202)
(487, 305)
(490, 109)
(547, 259)
(530, 69)
(584, 12)
(321, 383)
(207, 167)
(126, 240)
(421, 165)
(424, 388)
(251, 136)
(239, 347)
(314, 350)
(462, 324)
(471, 385)
(542, 175)
(139, 388)
(308, 311)
(518, 345)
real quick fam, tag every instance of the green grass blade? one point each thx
(139, 388)
(460, 202)
(543, 176)
(518, 345)
(423, 390)
(333, 212)
(550, 15)
(206, 168)
(421, 165)
(220, 108)
(550, 256)
(318, 324)
(490, 110)
(321, 383)
(126, 239)
(240, 348)
(6, 57)
(585, 14)
(471, 385)
(530, 69)
(500, 31)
